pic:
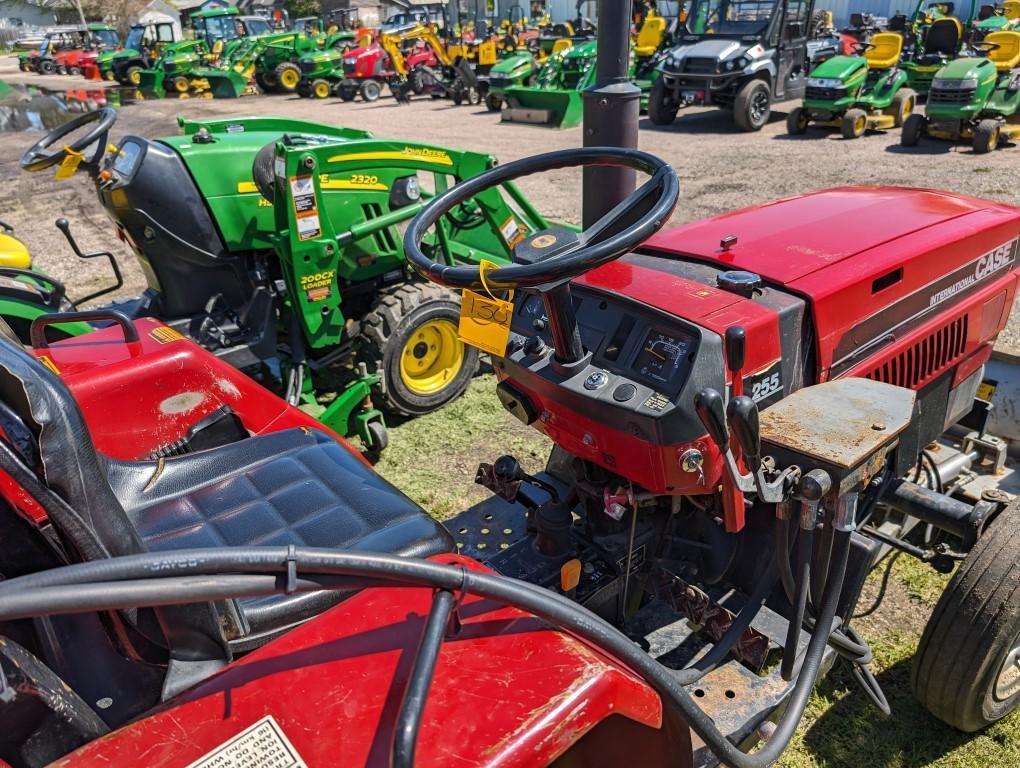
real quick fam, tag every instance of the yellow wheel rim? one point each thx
(908, 107)
(431, 358)
(135, 77)
(322, 90)
(993, 140)
(860, 125)
(181, 85)
(289, 78)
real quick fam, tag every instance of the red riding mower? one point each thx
(734, 421)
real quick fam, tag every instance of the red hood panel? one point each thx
(791, 238)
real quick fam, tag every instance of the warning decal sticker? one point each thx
(164, 334)
(262, 745)
(306, 211)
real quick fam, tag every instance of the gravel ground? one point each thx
(720, 169)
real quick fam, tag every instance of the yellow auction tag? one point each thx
(70, 164)
(485, 320)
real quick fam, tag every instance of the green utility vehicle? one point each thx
(277, 244)
(143, 46)
(976, 98)
(857, 93)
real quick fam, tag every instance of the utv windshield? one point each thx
(134, 38)
(106, 37)
(216, 28)
(730, 17)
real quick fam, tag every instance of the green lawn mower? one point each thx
(555, 97)
(142, 47)
(277, 245)
(514, 71)
(279, 67)
(937, 38)
(857, 93)
(974, 98)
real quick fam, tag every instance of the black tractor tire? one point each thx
(662, 108)
(967, 668)
(902, 106)
(912, 131)
(267, 83)
(61, 69)
(752, 106)
(493, 103)
(133, 75)
(23, 66)
(854, 123)
(416, 79)
(180, 84)
(74, 71)
(304, 89)
(986, 136)
(371, 90)
(819, 24)
(288, 76)
(47, 67)
(399, 313)
(262, 172)
(346, 93)
(797, 122)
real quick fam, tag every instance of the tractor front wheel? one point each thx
(902, 106)
(133, 76)
(304, 89)
(662, 108)
(411, 336)
(752, 106)
(321, 88)
(180, 84)
(797, 122)
(288, 75)
(371, 90)
(854, 123)
(986, 136)
(47, 67)
(967, 667)
(346, 93)
(74, 71)
(493, 102)
(913, 129)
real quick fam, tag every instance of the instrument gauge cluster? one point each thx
(662, 355)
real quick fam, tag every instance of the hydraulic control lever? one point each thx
(708, 404)
(505, 478)
(65, 227)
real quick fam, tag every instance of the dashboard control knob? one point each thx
(596, 379)
(624, 392)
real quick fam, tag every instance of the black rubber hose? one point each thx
(802, 584)
(543, 603)
(784, 531)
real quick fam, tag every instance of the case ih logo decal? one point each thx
(984, 267)
(897, 319)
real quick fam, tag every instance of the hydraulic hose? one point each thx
(805, 544)
(166, 570)
(783, 534)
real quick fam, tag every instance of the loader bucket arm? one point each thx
(338, 208)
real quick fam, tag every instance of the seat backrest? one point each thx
(562, 44)
(1007, 55)
(943, 36)
(885, 51)
(1011, 10)
(986, 12)
(857, 20)
(71, 467)
(651, 33)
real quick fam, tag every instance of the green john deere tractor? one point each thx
(976, 98)
(857, 93)
(142, 47)
(278, 68)
(555, 97)
(277, 245)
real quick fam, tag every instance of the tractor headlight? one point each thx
(729, 65)
(743, 62)
(405, 190)
(825, 82)
(943, 84)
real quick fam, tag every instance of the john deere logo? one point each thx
(543, 241)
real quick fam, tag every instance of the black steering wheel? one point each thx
(40, 155)
(985, 46)
(555, 255)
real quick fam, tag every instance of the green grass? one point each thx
(433, 459)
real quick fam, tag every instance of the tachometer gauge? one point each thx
(660, 356)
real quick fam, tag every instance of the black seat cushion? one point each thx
(291, 487)
(943, 38)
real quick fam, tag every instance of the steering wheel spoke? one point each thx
(51, 149)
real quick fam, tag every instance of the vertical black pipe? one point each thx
(611, 109)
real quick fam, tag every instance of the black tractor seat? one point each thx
(296, 486)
